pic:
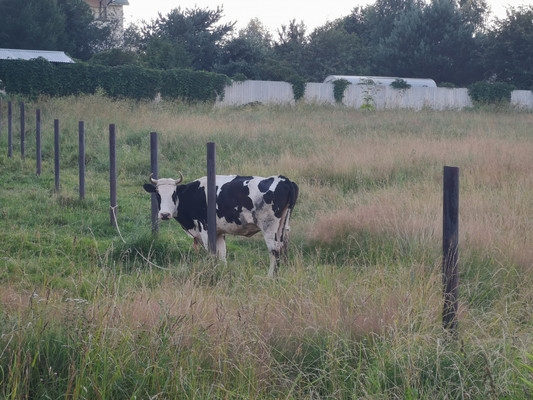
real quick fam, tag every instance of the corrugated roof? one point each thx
(18, 54)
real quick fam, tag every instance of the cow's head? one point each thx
(167, 197)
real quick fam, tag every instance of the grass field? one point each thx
(91, 312)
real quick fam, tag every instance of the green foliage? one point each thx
(509, 48)
(415, 46)
(65, 25)
(484, 92)
(239, 77)
(332, 50)
(339, 86)
(164, 54)
(193, 85)
(115, 57)
(527, 368)
(298, 86)
(37, 77)
(447, 85)
(369, 91)
(195, 32)
(400, 84)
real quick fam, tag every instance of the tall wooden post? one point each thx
(81, 158)
(56, 154)
(211, 198)
(450, 240)
(22, 130)
(112, 176)
(9, 129)
(38, 151)
(154, 168)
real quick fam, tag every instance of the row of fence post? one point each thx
(81, 152)
(450, 198)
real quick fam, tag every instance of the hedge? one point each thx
(490, 92)
(38, 76)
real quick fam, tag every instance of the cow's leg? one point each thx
(274, 264)
(274, 251)
(276, 238)
(221, 247)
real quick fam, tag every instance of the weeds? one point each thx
(86, 313)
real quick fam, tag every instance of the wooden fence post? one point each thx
(38, 151)
(154, 168)
(112, 176)
(9, 129)
(211, 198)
(450, 240)
(22, 129)
(81, 157)
(56, 154)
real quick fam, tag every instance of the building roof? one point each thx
(98, 3)
(380, 80)
(18, 54)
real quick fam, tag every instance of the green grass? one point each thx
(89, 311)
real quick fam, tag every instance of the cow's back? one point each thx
(244, 203)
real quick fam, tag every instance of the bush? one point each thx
(400, 84)
(36, 77)
(484, 92)
(339, 86)
(298, 86)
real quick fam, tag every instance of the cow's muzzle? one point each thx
(164, 216)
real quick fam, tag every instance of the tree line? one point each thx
(453, 42)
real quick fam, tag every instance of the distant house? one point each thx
(110, 12)
(51, 56)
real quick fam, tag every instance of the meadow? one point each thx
(88, 311)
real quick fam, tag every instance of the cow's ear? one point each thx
(149, 188)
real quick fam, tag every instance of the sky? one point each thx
(273, 13)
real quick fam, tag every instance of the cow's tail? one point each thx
(284, 225)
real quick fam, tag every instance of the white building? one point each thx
(110, 12)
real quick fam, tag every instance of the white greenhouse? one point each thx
(380, 80)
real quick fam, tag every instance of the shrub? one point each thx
(450, 85)
(298, 86)
(484, 92)
(400, 84)
(35, 77)
(339, 86)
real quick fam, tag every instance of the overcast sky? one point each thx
(273, 13)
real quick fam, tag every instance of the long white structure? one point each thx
(380, 80)
(357, 96)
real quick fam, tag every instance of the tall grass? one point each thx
(87, 311)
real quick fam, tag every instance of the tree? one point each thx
(164, 54)
(510, 48)
(433, 41)
(375, 22)
(333, 50)
(245, 52)
(81, 36)
(25, 24)
(475, 13)
(65, 25)
(193, 30)
(291, 45)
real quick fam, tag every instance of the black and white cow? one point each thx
(245, 205)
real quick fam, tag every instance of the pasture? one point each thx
(91, 312)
